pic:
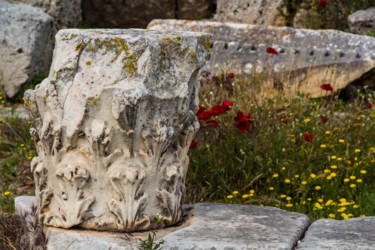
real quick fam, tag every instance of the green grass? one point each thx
(273, 165)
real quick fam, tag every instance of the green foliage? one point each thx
(150, 244)
(333, 16)
(16, 151)
(273, 164)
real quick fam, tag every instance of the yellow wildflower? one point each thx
(282, 196)
(318, 206)
(333, 174)
(287, 181)
(329, 202)
(318, 187)
(245, 196)
(252, 191)
(333, 157)
(331, 216)
(289, 205)
(352, 185)
(344, 216)
(352, 177)
(355, 206)
(341, 140)
(328, 132)
(306, 120)
(275, 175)
(283, 168)
(346, 180)
(342, 200)
(230, 197)
(271, 188)
(363, 171)
(313, 176)
(303, 182)
(339, 159)
(288, 198)
(327, 171)
(235, 192)
(357, 150)
(342, 209)
(323, 146)
(359, 180)
(320, 200)
(296, 176)
(6, 193)
(334, 166)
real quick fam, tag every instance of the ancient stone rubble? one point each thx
(363, 22)
(262, 12)
(26, 38)
(112, 124)
(305, 60)
(65, 13)
(138, 13)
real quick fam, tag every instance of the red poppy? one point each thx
(324, 118)
(218, 109)
(308, 136)
(326, 87)
(227, 104)
(368, 105)
(206, 115)
(193, 144)
(200, 110)
(221, 109)
(322, 3)
(243, 122)
(213, 123)
(272, 51)
(231, 75)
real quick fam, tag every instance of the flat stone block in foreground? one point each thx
(206, 226)
(356, 233)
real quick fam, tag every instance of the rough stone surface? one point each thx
(259, 12)
(26, 43)
(363, 22)
(356, 233)
(194, 9)
(112, 125)
(66, 13)
(126, 14)
(206, 226)
(306, 59)
(138, 13)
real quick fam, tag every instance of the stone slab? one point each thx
(306, 58)
(363, 22)
(206, 226)
(355, 233)
(26, 44)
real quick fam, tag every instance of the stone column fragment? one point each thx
(112, 124)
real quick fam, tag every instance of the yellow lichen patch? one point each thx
(79, 46)
(88, 63)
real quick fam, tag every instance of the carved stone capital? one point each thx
(112, 124)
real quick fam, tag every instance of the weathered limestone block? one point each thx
(305, 60)
(126, 14)
(112, 124)
(26, 44)
(66, 13)
(250, 11)
(206, 226)
(355, 233)
(194, 9)
(138, 13)
(363, 22)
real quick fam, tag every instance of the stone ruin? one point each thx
(305, 60)
(112, 125)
